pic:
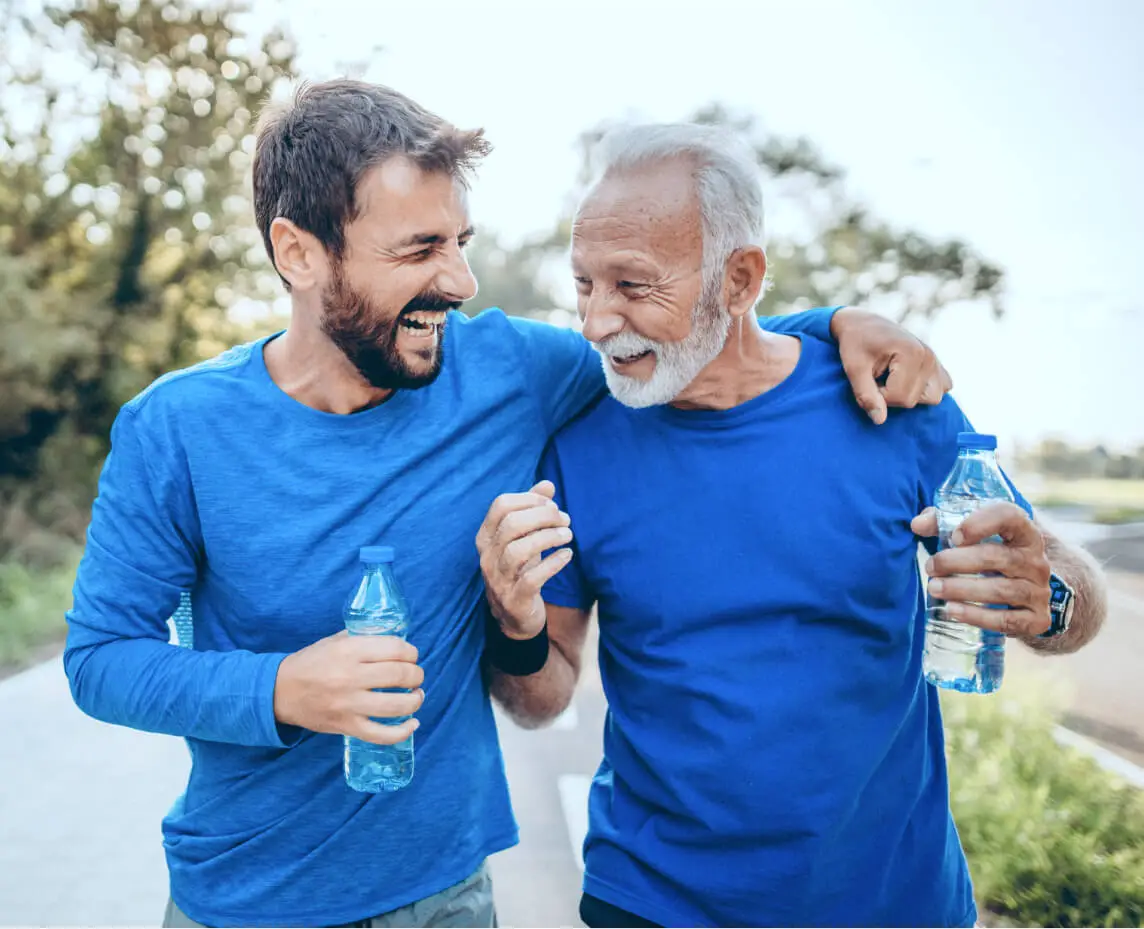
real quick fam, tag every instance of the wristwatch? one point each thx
(1061, 600)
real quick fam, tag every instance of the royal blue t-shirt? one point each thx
(221, 484)
(772, 755)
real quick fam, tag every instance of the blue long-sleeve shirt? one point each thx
(221, 484)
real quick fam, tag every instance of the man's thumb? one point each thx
(868, 395)
(925, 523)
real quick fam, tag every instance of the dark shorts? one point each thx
(596, 912)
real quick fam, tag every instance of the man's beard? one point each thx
(362, 333)
(677, 364)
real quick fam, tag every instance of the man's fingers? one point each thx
(988, 558)
(904, 385)
(925, 523)
(945, 379)
(400, 674)
(386, 648)
(380, 734)
(1007, 591)
(523, 523)
(518, 554)
(1009, 622)
(547, 569)
(505, 504)
(1006, 520)
(866, 392)
(391, 705)
(544, 488)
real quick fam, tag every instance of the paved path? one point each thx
(81, 803)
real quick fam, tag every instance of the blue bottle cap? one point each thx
(976, 440)
(376, 554)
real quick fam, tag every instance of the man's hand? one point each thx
(870, 346)
(518, 529)
(1020, 566)
(330, 686)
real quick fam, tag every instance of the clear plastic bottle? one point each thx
(959, 656)
(377, 607)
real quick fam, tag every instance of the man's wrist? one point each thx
(515, 656)
(838, 317)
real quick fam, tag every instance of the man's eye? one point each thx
(630, 285)
(464, 243)
(424, 255)
(583, 284)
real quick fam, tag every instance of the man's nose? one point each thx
(456, 279)
(599, 318)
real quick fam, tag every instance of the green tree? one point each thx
(126, 132)
(833, 249)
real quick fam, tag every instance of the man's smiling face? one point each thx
(637, 256)
(404, 268)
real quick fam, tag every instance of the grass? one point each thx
(1052, 839)
(32, 607)
(1100, 493)
(1118, 515)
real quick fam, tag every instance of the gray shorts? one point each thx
(469, 903)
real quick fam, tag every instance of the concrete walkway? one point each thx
(80, 808)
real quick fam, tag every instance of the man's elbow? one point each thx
(75, 662)
(532, 711)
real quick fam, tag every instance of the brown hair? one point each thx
(312, 153)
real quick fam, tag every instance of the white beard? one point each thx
(677, 364)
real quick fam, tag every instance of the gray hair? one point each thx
(726, 178)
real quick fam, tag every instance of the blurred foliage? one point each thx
(1052, 839)
(32, 606)
(826, 248)
(125, 228)
(1055, 458)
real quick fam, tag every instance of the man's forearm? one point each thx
(149, 685)
(1081, 572)
(534, 700)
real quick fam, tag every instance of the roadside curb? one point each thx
(1108, 760)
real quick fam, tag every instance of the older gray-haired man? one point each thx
(772, 754)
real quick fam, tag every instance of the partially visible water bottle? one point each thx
(377, 607)
(959, 656)
(182, 620)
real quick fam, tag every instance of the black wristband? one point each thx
(518, 657)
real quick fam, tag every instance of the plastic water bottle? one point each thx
(182, 620)
(959, 656)
(377, 607)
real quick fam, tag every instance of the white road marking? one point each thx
(574, 801)
(568, 720)
(1110, 761)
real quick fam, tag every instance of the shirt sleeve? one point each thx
(143, 549)
(938, 453)
(569, 587)
(814, 323)
(563, 370)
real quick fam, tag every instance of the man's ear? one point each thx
(743, 279)
(298, 255)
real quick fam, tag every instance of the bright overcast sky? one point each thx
(1017, 124)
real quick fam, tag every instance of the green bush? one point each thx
(1052, 839)
(1118, 515)
(32, 607)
